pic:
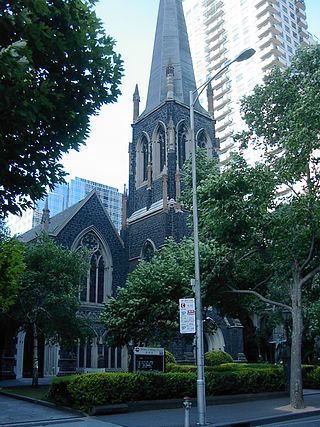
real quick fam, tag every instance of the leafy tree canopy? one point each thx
(270, 242)
(146, 310)
(283, 117)
(57, 68)
(11, 268)
(48, 296)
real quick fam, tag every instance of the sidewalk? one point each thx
(241, 411)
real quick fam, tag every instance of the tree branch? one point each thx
(310, 253)
(310, 275)
(261, 297)
(263, 281)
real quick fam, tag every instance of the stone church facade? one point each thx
(151, 211)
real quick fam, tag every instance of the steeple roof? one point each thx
(171, 49)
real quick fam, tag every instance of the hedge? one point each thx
(217, 357)
(87, 390)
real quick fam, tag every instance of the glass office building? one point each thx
(66, 195)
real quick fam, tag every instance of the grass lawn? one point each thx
(39, 393)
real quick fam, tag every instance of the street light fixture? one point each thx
(194, 96)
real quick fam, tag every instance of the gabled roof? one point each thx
(59, 221)
(171, 48)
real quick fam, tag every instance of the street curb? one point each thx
(254, 422)
(44, 403)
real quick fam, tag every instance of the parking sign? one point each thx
(187, 316)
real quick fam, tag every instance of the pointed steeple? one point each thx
(171, 51)
(136, 102)
(45, 219)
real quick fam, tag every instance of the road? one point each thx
(269, 411)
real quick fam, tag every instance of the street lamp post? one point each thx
(194, 96)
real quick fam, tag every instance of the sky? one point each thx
(132, 24)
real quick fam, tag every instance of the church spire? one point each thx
(136, 102)
(45, 219)
(171, 49)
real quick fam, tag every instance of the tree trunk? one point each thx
(296, 389)
(35, 361)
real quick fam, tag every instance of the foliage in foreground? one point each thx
(146, 310)
(11, 269)
(217, 357)
(57, 68)
(48, 296)
(87, 390)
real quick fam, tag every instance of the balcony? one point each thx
(223, 124)
(215, 54)
(271, 40)
(212, 36)
(221, 102)
(214, 16)
(216, 44)
(272, 61)
(269, 7)
(215, 26)
(217, 83)
(219, 64)
(261, 3)
(222, 90)
(272, 50)
(219, 115)
(300, 13)
(270, 28)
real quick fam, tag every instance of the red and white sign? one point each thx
(187, 311)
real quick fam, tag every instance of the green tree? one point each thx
(48, 297)
(146, 310)
(284, 120)
(11, 268)
(267, 245)
(57, 68)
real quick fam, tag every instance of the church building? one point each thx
(152, 211)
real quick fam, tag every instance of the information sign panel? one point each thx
(148, 359)
(187, 311)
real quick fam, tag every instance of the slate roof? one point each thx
(59, 221)
(171, 47)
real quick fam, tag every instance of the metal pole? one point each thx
(187, 406)
(193, 98)
(201, 393)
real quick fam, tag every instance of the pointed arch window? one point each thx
(202, 140)
(182, 144)
(148, 250)
(94, 290)
(162, 147)
(145, 156)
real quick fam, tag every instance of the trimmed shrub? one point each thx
(87, 390)
(244, 381)
(239, 366)
(217, 357)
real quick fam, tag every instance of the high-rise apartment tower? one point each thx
(220, 29)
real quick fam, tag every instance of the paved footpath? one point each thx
(245, 413)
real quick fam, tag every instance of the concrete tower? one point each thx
(220, 29)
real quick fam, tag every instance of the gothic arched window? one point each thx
(161, 139)
(148, 250)
(182, 144)
(145, 155)
(94, 289)
(202, 140)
